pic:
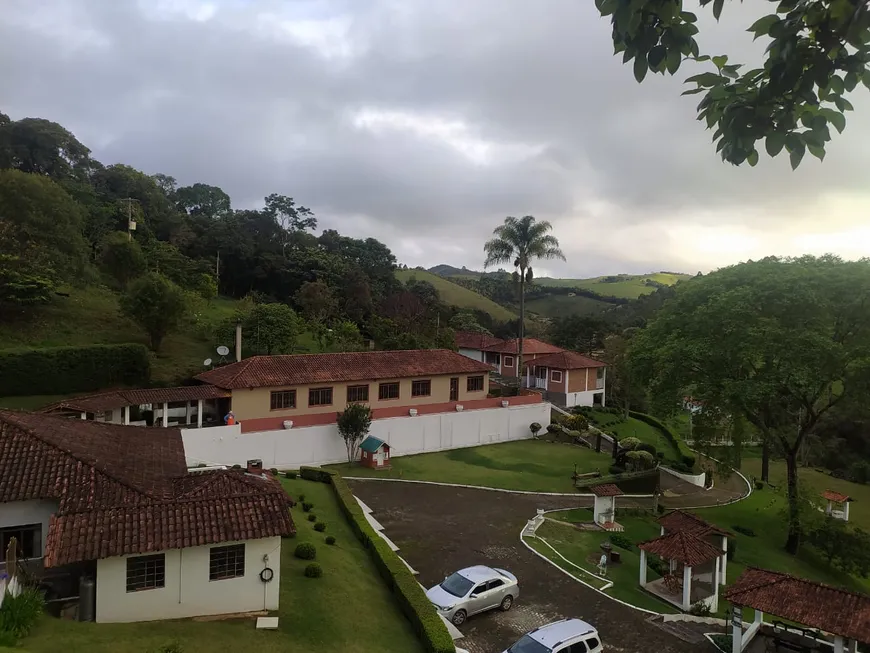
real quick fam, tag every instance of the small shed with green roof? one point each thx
(374, 453)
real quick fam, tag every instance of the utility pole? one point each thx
(217, 269)
(131, 224)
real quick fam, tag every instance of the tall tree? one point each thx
(202, 199)
(268, 329)
(354, 423)
(818, 52)
(780, 342)
(156, 304)
(521, 241)
(121, 258)
(317, 301)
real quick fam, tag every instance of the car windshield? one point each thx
(528, 645)
(457, 585)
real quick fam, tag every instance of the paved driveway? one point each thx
(440, 529)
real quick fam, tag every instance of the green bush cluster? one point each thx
(330, 540)
(320, 526)
(312, 517)
(307, 506)
(313, 570)
(687, 458)
(622, 541)
(290, 475)
(315, 474)
(67, 370)
(305, 551)
(18, 614)
(743, 530)
(410, 595)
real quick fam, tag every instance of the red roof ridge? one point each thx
(781, 576)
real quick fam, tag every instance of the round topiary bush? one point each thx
(305, 551)
(330, 540)
(274, 471)
(301, 498)
(320, 526)
(306, 506)
(313, 570)
(312, 516)
(290, 475)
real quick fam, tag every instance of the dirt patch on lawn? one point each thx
(441, 529)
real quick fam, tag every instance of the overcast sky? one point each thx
(424, 123)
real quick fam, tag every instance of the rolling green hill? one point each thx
(562, 305)
(457, 295)
(629, 286)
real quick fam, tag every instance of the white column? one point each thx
(839, 645)
(716, 564)
(829, 509)
(586, 387)
(565, 379)
(662, 534)
(642, 568)
(84, 415)
(187, 410)
(736, 635)
(603, 388)
(165, 416)
(759, 617)
(199, 413)
(853, 646)
(846, 511)
(125, 414)
(687, 587)
(724, 560)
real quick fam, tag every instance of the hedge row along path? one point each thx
(440, 529)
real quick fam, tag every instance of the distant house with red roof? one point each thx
(118, 506)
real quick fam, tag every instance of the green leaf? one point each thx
(693, 91)
(688, 17)
(817, 151)
(795, 156)
(837, 85)
(752, 159)
(720, 61)
(717, 8)
(705, 79)
(843, 104)
(865, 78)
(774, 143)
(850, 82)
(674, 60)
(763, 25)
(640, 68)
(656, 56)
(837, 119)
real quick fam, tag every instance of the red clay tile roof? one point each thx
(606, 490)
(836, 497)
(808, 603)
(118, 398)
(530, 346)
(680, 520)
(471, 340)
(682, 547)
(305, 369)
(126, 490)
(564, 360)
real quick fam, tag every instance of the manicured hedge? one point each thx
(411, 597)
(616, 478)
(66, 370)
(686, 455)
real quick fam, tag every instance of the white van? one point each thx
(565, 636)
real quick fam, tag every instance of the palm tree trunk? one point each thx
(522, 326)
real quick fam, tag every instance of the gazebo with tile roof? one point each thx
(844, 615)
(685, 554)
(680, 520)
(841, 500)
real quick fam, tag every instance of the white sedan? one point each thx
(473, 590)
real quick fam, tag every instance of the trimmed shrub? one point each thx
(237, 466)
(743, 530)
(312, 517)
(19, 613)
(622, 541)
(313, 570)
(686, 455)
(290, 475)
(67, 370)
(320, 526)
(315, 474)
(301, 498)
(306, 506)
(759, 485)
(700, 609)
(534, 427)
(646, 446)
(274, 471)
(330, 540)
(616, 470)
(554, 428)
(305, 551)
(660, 509)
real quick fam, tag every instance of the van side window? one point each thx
(495, 584)
(579, 647)
(593, 643)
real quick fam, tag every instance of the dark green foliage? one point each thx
(743, 530)
(315, 474)
(759, 485)
(616, 469)
(301, 497)
(842, 546)
(330, 540)
(622, 541)
(313, 570)
(732, 548)
(274, 471)
(121, 258)
(320, 526)
(237, 466)
(312, 517)
(67, 370)
(291, 476)
(687, 457)
(18, 614)
(534, 427)
(305, 551)
(22, 283)
(657, 565)
(156, 304)
(306, 506)
(173, 647)
(353, 427)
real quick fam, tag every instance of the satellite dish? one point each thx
(223, 350)
(206, 362)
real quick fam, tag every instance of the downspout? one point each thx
(180, 576)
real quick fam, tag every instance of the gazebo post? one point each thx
(687, 587)
(724, 560)
(839, 646)
(737, 629)
(830, 507)
(845, 511)
(853, 646)
(716, 564)
(642, 568)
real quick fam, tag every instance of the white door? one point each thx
(379, 458)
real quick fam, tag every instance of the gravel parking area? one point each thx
(441, 529)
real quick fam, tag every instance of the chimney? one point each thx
(238, 341)
(255, 467)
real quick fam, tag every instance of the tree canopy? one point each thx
(818, 53)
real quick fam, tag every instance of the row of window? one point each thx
(149, 572)
(286, 399)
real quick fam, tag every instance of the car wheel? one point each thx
(458, 617)
(507, 603)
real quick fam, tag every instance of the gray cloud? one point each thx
(421, 123)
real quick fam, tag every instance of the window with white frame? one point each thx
(508, 361)
(556, 376)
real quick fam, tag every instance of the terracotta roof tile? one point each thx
(682, 547)
(565, 360)
(119, 398)
(680, 520)
(530, 346)
(126, 489)
(836, 497)
(471, 340)
(805, 602)
(606, 490)
(305, 369)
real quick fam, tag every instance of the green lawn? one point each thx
(459, 296)
(635, 428)
(561, 305)
(630, 287)
(315, 614)
(531, 465)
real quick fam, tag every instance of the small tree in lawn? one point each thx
(156, 304)
(353, 425)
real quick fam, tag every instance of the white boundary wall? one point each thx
(320, 445)
(694, 479)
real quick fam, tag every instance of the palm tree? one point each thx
(521, 241)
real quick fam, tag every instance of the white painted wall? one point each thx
(583, 398)
(188, 591)
(319, 445)
(694, 479)
(23, 513)
(475, 354)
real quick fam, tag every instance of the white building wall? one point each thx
(188, 591)
(24, 513)
(319, 445)
(475, 354)
(586, 398)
